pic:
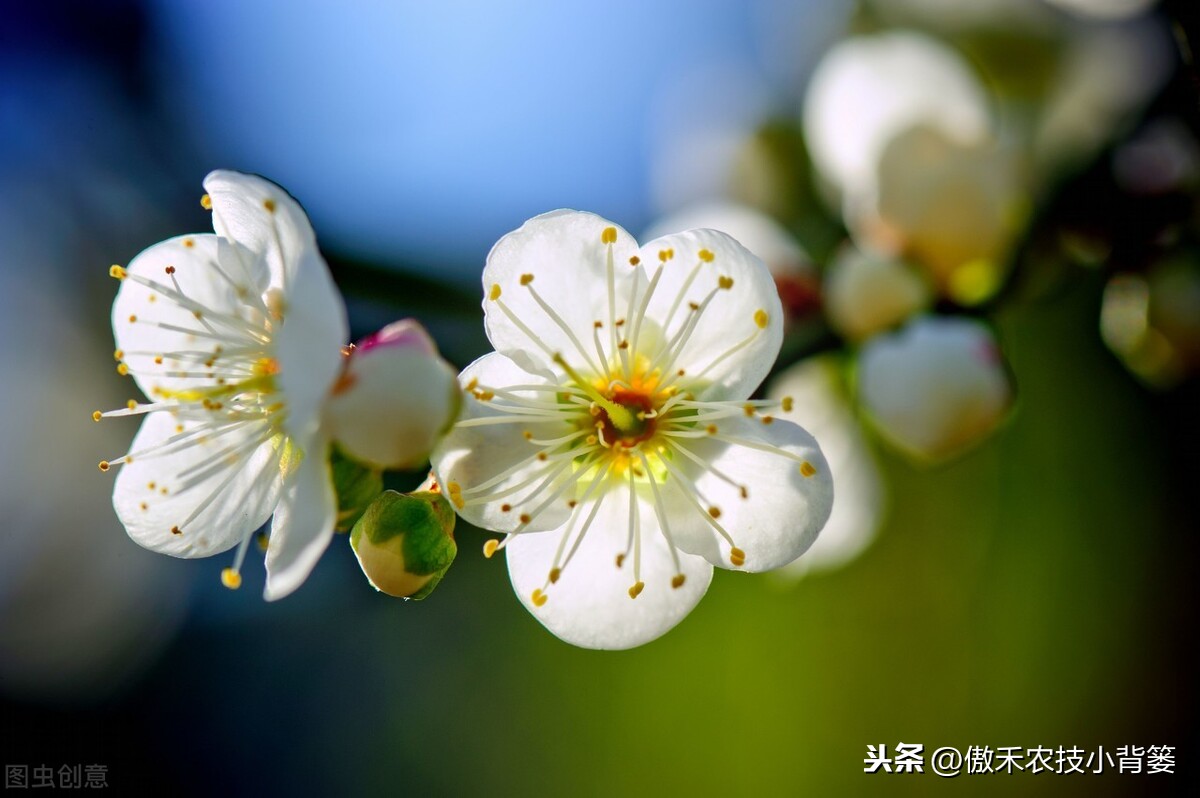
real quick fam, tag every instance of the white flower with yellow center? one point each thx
(235, 338)
(609, 436)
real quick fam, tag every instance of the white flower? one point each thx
(236, 339)
(936, 387)
(395, 397)
(609, 435)
(868, 89)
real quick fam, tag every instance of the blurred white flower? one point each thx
(953, 208)
(868, 89)
(609, 436)
(936, 387)
(819, 405)
(394, 398)
(236, 339)
(865, 293)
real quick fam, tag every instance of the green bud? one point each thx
(356, 486)
(405, 542)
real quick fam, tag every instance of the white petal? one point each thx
(730, 320)
(150, 495)
(752, 228)
(589, 605)
(261, 216)
(783, 509)
(399, 398)
(210, 275)
(309, 344)
(821, 407)
(564, 254)
(472, 455)
(303, 524)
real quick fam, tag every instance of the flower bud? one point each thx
(865, 294)
(395, 398)
(936, 387)
(405, 542)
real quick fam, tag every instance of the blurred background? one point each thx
(984, 222)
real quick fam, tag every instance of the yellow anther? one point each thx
(592, 440)
(97, 415)
(571, 503)
(748, 409)
(527, 435)
(677, 581)
(104, 466)
(555, 573)
(744, 491)
(542, 456)
(494, 294)
(635, 260)
(538, 597)
(132, 318)
(768, 419)
(131, 404)
(737, 557)
(231, 579)
(623, 345)
(705, 255)
(787, 404)
(637, 589)
(189, 243)
(711, 429)
(620, 560)
(117, 272)
(807, 469)
(263, 541)
(666, 254)
(158, 360)
(489, 548)
(525, 519)
(714, 511)
(608, 235)
(119, 355)
(269, 204)
(761, 318)
(526, 279)
(504, 508)
(122, 369)
(455, 492)
(144, 506)
(206, 202)
(724, 281)
(174, 530)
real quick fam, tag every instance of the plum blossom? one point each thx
(235, 338)
(610, 437)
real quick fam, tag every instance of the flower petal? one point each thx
(788, 493)
(736, 338)
(309, 344)
(559, 256)
(261, 216)
(469, 456)
(155, 318)
(589, 605)
(303, 524)
(223, 506)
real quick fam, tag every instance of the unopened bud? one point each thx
(395, 398)
(936, 387)
(866, 294)
(405, 542)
